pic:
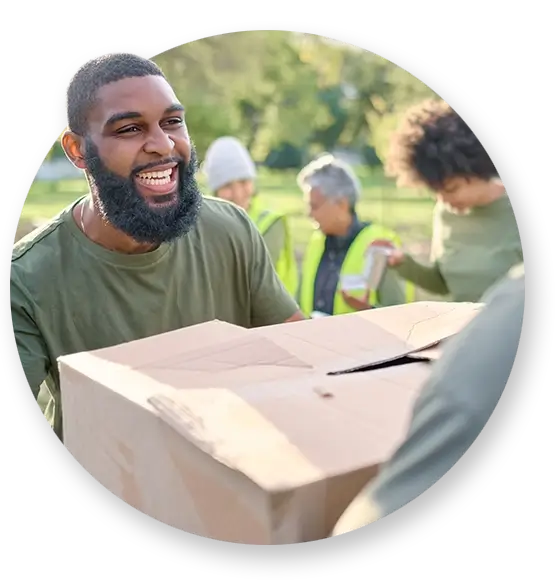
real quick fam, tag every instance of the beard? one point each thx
(121, 204)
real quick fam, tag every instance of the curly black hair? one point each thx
(96, 73)
(433, 144)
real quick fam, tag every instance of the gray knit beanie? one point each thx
(227, 160)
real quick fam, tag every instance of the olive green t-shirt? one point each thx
(275, 239)
(470, 252)
(69, 294)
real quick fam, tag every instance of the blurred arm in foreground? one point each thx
(453, 408)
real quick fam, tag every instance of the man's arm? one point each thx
(453, 408)
(275, 240)
(271, 303)
(298, 316)
(29, 341)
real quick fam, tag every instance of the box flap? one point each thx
(152, 349)
(423, 324)
(217, 354)
(346, 342)
(432, 353)
(283, 435)
(245, 360)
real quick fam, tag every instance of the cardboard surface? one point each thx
(254, 436)
(371, 337)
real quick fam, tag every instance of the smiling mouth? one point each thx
(157, 183)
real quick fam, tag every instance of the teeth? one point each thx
(156, 178)
(156, 182)
(156, 174)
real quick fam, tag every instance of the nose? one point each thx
(159, 142)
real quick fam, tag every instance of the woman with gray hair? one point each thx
(332, 277)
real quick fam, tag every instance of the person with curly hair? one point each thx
(475, 238)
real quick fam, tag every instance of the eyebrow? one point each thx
(135, 114)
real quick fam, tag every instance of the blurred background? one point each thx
(288, 97)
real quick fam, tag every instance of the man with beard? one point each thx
(143, 253)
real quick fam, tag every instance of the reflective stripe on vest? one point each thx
(351, 272)
(286, 267)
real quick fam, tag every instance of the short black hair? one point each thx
(95, 74)
(434, 144)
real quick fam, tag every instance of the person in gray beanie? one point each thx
(231, 173)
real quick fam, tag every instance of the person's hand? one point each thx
(396, 256)
(355, 303)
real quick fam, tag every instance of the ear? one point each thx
(344, 205)
(73, 146)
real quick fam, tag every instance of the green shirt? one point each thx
(455, 404)
(69, 294)
(470, 252)
(275, 240)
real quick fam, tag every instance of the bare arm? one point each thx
(298, 316)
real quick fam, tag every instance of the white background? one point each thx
(331, 12)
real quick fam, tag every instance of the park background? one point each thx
(289, 97)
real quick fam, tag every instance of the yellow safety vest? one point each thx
(352, 267)
(286, 266)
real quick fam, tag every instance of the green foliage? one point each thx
(272, 88)
(370, 156)
(287, 94)
(286, 156)
(55, 152)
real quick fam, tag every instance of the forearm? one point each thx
(390, 291)
(428, 278)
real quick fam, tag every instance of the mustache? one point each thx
(192, 166)
(155, 164)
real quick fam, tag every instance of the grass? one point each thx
(406, 211)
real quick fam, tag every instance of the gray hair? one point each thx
(333, 178)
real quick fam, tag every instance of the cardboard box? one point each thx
(259, 436)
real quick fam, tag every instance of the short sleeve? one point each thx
(29, 341)
(275, 240)
(271, 303)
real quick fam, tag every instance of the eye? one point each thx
(175, 121)
(127, 130)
